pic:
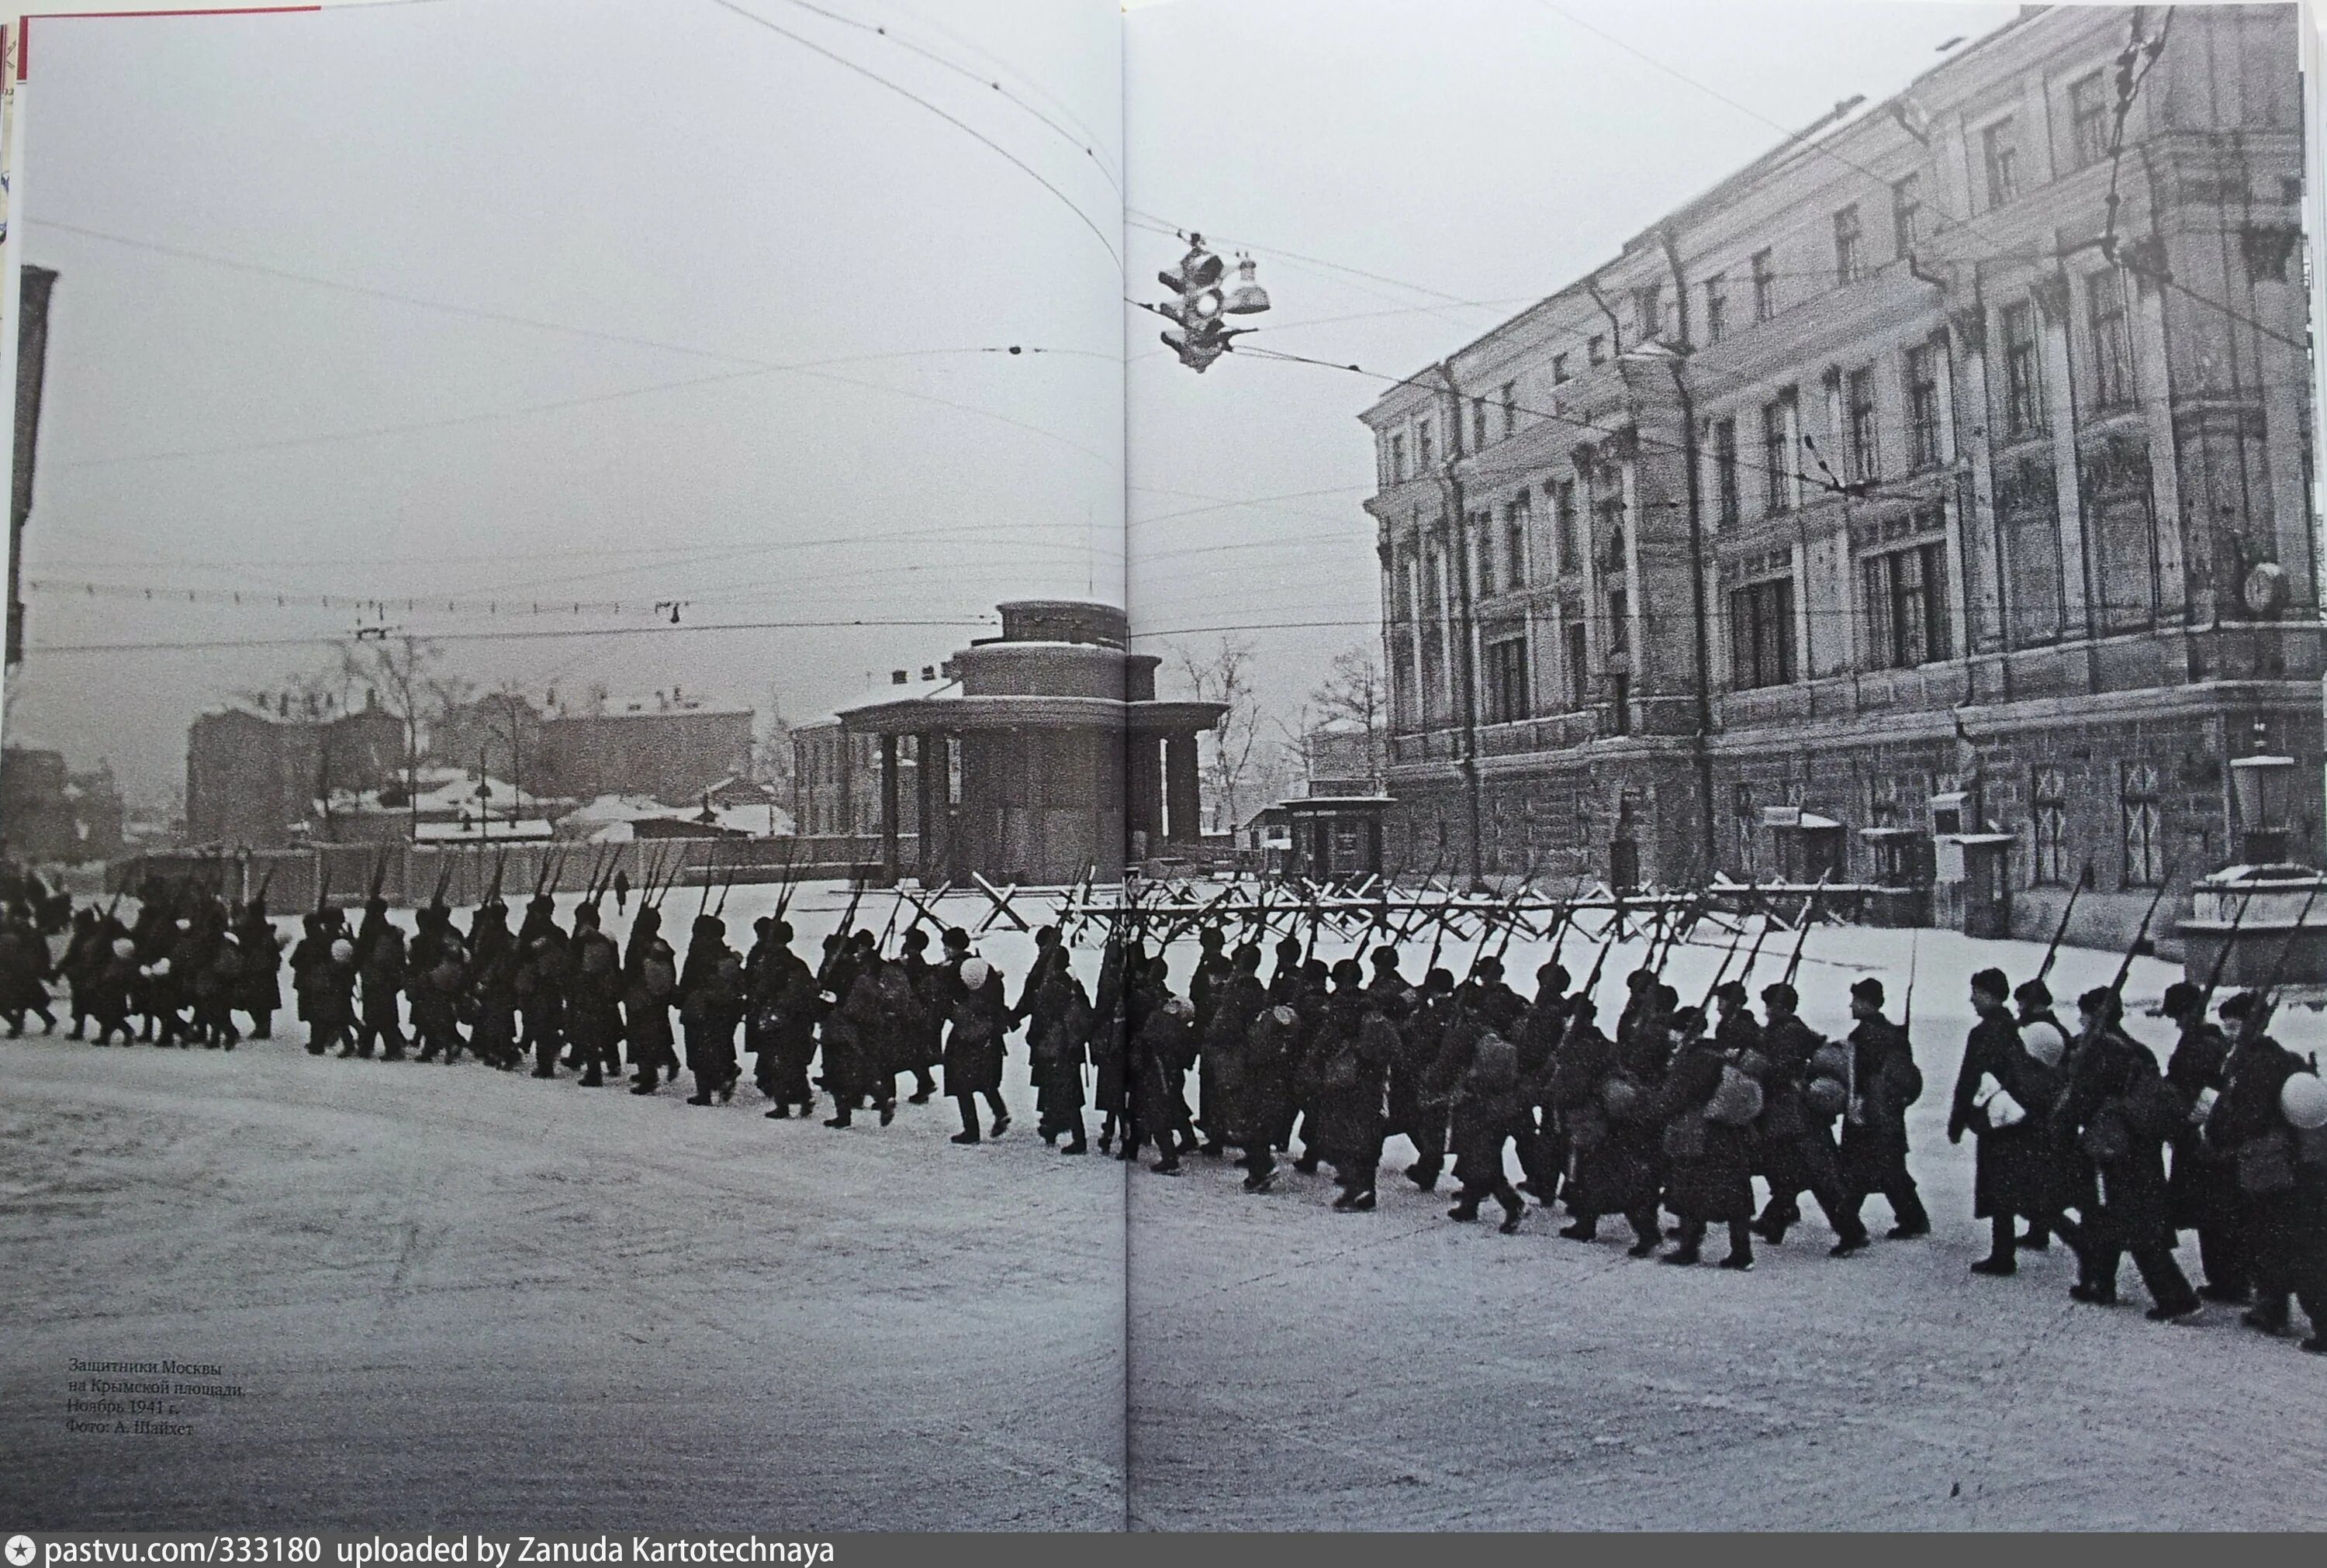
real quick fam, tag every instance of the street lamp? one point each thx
(2263, 781)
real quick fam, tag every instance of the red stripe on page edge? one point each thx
(23, 32)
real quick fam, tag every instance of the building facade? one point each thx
(1902, 511)
(49, 813)
(262, 776)
(1045, 755)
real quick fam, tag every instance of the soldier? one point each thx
(710, 1007)
(1269, 1057)
(331, 1006)
(1542, 1149)
(85, 954)
(594, 1005)
(216, 981)
(108, 988)
(650, 986)
(1703, 1115)
(1419, 1105)
(1162, 1051)
(1238, 1000)
(1348, 1074)
(788, 987)
(2117, 1107)
(2068, 1179)
(2247, 1127)
(380, 965)
(1485, 1115)
(307, 965)
(858, 1060)
(440, 974)
(1111, 1040)
(260, 992)
(24, 972)
(2201, 1192)
(1884, 1082)
(2006, 1096)
(540, 984)
(490, 987)
(1796, 1140)
(924, 1044)
(1059, 1029)
(974, 1046)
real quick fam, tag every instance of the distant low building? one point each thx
(669, 747)
(50, 814)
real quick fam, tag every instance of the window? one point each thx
(2049, 820)
(1777, 457)
(1477, 424)
(1511, 406)
(1563, 522)
(1762, 634)
(1620, 723)
(1648, 306)
(1861, 455)
(1515, 548)
(1612, 528)
(1579, 673)
(1847, 262)
(2145, 826)
(1558, 369)
(1717, 308)
(1907, 213)
(1482, 551)
(1724, 473)
(1402, 689)
(2112, 348)
(1765, 287)
(1747, 821)
(1398, 459)
(1907, 607)
(1422, 446)
(1595, 348)
(2024, 412)
(1923, 408)
(2089, 113)
(2000, 145)
(1620, 621)
(1507, 680)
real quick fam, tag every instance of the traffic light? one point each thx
(1201, 338)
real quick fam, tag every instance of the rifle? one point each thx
(1721, 970)
(2140, 937)
(1754, 953)
(2052, 949)
(1802, 936)
(1907, 1006)
(2269, 994)
(848, 917)
(2222, 955)
(500, 864)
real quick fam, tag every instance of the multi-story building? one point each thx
(1926, 505)
(672, 747)
(49, 813)
(261, 775)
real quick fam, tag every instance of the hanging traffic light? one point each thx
(1201, 338)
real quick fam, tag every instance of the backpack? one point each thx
(1736, 1100)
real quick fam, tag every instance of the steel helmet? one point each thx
(2303, 1098)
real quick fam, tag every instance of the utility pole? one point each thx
(1466, 672)
(1690, 455)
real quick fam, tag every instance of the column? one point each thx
(1983, 573)
(2153, 386)
(2282, 379)
(2052, 294)
(889, 867)
(928, 771)
(1182, 799)
(1952, 504)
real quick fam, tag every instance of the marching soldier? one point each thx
(2202, 1189)
(2006, 1096)
(1884, 1082)
(2117, 1108)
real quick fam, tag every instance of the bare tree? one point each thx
(1355, 698)
(772, 757)
(403, 674)
(1235, 759)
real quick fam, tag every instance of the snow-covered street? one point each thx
(460, 1296)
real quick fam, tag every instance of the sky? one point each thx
(470, 306)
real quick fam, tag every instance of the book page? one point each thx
(1762, 565)
(506, 473)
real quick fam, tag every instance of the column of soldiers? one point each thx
(1677, 1109)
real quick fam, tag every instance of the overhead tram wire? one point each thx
(568, 329)
(1081, 140)
(334, 640)
(959, 124)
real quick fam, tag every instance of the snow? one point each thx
(460, 1297)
